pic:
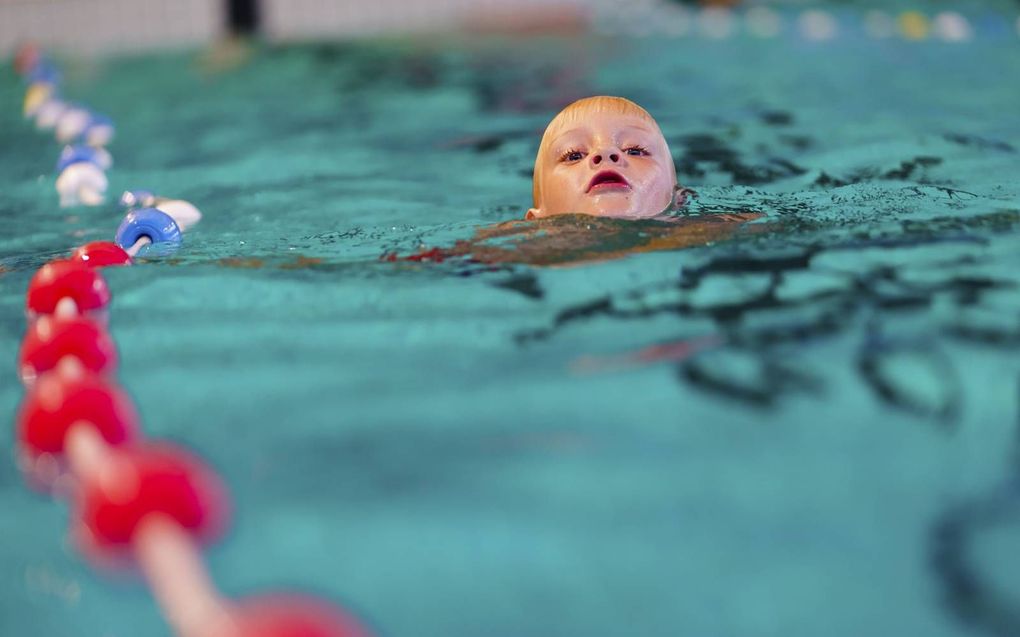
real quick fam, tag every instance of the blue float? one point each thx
(156, 225)
(132, 198)
(74, 154)
(43, 72)
(98, 130)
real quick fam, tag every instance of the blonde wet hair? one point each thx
(576, 112)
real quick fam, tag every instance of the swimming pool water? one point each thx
(452, 449)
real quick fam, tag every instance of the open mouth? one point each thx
(607, 180)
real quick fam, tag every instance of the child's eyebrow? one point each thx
(640, 129)
(580, 130)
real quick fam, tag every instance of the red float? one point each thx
(26, 57)
(153, 479)
(66, 279)
(56, 403)
(99, 254)
(291, 616)
(50, 339)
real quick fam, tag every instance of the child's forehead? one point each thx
(611, 124)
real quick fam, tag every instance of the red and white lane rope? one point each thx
(146, 504)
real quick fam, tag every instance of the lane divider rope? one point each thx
(150, 505)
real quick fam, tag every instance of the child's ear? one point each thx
(533, 213)
(681, 196)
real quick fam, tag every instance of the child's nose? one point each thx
(597, 158)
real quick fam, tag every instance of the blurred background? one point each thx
(418, 443)
(102, 26)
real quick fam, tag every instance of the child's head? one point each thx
(603, 156)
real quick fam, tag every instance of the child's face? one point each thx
(605, 164)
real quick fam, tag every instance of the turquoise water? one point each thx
(453, 449)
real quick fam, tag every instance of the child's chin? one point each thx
(609, 207)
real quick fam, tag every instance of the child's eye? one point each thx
(572, 155)
(636, 151)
